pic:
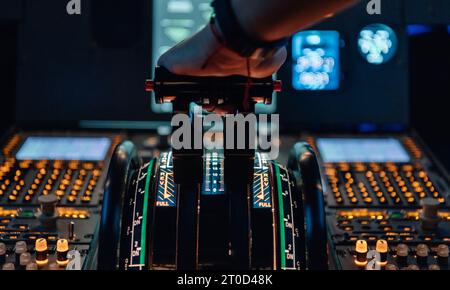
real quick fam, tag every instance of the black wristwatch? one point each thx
(229, 32)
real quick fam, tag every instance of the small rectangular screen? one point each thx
(315, 60)
(64, 148)
(362, 150)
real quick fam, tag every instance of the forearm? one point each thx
(270, 20)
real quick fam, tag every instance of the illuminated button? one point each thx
(361, 250)
(86, 199)
(62, 248)
(71, 198)
(382, 248)
(368, 200)
(422, 254)
(32, 267)
(41, 252)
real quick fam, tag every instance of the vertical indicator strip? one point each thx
(144, 219)
(287, 215)
(281, 217)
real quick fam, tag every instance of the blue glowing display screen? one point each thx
(362, 150)
(377, 43)
(316, 60)
(64, 148)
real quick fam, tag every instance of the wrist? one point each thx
(229, 31)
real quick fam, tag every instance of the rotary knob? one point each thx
(442, 254)
(47, 215)
(2, 253)
(422, 252)
(402, 252)
(429, 217)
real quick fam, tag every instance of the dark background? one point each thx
(57, 70)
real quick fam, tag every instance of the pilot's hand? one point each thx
(204, 55)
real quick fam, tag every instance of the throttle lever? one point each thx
(169, 88)
(241, 94)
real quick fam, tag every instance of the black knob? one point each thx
(48, 204)
(422, 252)
(430, 218)
(2, 253)
(48, 215)
(443, 253)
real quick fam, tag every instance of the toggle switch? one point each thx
(62, 248)
(361, 250)
(71, 231)
(383, 249)
(41, 252)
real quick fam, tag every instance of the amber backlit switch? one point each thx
(382, 248)
(62, 248)
(361, 250)
(41, 252)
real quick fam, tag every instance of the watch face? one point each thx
(377, 43)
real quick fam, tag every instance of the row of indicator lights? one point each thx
(19, 183)
(376, 188)
(63, 212)
(413, 148)
(11, 145)
(417, 186)
(406, 235)
(24, 261)
(384, 215)
(401, 253)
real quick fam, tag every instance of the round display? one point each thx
(377, 43)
